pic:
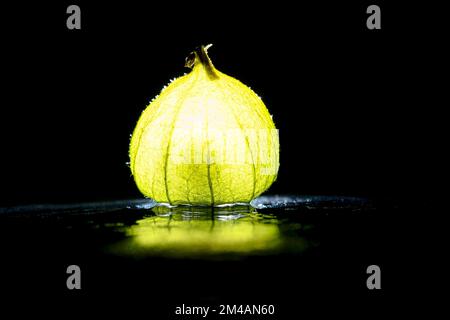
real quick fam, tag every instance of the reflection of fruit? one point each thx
(184, 232)
(207, 139)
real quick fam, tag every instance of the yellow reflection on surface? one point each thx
(192, 231)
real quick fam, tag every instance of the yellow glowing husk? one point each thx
(207, 139)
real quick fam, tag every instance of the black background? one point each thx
(357, 109)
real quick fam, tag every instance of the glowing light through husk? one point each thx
(207, 139)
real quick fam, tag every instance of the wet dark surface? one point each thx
(305, 255)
